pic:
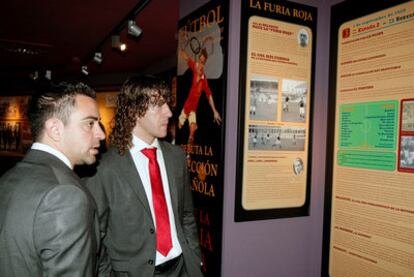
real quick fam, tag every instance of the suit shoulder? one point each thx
(73, 195)
(110, 155)
(29, 174)
(110, 159)
(27, 186)
(172, 148)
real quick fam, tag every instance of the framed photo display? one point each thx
(369, 196)
(275, 110)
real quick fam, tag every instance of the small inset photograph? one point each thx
(264, 137)
(293, 138)
(294, 101)
(407, 115)
(298, 166)
(10, 136)
(407, 153)
(263, 98)
(303, 38)
(276, 138)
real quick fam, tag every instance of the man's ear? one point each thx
(54, 129)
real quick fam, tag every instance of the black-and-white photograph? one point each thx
(276, 138)
(263, 98)
(407, 152)
(407, 123)
(294, 100)
(303, 38)
(298, 166)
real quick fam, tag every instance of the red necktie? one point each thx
(162, 221)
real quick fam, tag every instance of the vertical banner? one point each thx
(275, 116)
(199, 115)
(370, 171)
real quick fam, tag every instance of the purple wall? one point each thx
(289, 247)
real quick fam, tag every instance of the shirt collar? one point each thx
(138, 144)
(46, 148)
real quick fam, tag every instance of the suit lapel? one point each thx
(169, 166)
(130, 173)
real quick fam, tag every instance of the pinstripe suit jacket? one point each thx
(48, 220)
(125, 215)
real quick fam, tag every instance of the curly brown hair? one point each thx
(136, 95)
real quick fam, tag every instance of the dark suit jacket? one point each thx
(126, 221)
(48, 224)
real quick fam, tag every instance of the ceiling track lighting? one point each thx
(133, 29)
(48, 75)
(97, 57)
(116, 43)
(84, 70)
(40, 75)
(34, 75)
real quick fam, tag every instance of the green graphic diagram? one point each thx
(368, 135)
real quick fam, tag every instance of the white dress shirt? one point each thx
(46, 148)
(141, 163)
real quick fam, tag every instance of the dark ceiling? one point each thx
(61, 36)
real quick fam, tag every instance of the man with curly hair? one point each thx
(140, 241)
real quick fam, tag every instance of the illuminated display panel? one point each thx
(372, 200)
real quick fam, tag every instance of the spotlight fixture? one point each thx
(34, 75)
(133, 29)
(116, 43)
(128, 21)
(84, 70)
(48, 75)
(97, 58)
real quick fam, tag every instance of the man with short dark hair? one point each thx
(48, 225)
